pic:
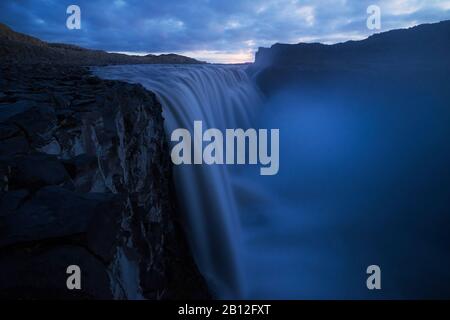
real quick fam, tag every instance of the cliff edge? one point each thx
(85, 180)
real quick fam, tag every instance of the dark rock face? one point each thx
(85, 179)
(17, 47)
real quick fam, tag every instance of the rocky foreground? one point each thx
(85, 179)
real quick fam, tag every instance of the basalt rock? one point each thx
(85, 179)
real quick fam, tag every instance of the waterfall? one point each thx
(353, 189)
(221, 97)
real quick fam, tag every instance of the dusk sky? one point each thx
(216, 31)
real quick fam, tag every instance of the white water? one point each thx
(222, 97)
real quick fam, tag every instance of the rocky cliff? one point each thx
(85, 179)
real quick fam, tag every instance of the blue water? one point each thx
(364, 179)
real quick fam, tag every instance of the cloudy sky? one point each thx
(212, 30)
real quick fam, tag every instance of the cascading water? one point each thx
(221, 97)
(342, 199)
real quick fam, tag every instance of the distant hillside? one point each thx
(415, 44)
(425, 47)
(21, 48)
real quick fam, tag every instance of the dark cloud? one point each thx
(212, 27)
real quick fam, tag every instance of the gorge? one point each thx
(85, 172)
(347, 113)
